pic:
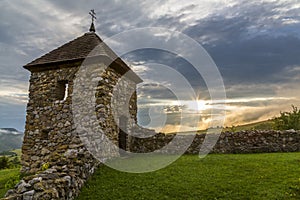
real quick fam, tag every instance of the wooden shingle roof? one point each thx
(87, 45)
(75, 49)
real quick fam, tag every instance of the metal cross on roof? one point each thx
(93, 14)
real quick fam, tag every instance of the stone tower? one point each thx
(51, 138)
(49, 131)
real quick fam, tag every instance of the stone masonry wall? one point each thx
(239, 142)
(54, 157)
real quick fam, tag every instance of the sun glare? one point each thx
(197, 105)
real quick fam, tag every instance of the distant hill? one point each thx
(10, 139)
(262, 125)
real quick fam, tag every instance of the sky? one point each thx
(255, 45)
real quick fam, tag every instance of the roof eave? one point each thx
(118, 64)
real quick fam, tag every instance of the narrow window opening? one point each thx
(66, 91)
(62, 90)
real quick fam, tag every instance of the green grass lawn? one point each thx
(250, 176)
(5, 176)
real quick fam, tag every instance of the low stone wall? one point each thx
(239, 142)
(65, 177)
(49, 184)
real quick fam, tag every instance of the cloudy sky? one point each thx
(255, 45)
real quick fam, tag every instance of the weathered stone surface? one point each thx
(28, 195)
(239, 142)
(71, 153)
(39, 187)
(35, 180)
(53, 146)
(22, 187)
(45, 151)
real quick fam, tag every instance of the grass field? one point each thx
(17, 151)
(5, 176)
(250, 176)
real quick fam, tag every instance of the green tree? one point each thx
(4, 162)
(15, 161)
(288, 120)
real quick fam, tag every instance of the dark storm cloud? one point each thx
(250, 42)
(112, 16)
(256, 60)
(169, 59)
(247, 44)
(254, 43)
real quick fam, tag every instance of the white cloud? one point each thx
(139, 69)
(46, 24)
(13, 92)
(190, 10)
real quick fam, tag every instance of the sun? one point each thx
(197, 105)
(201, 105)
